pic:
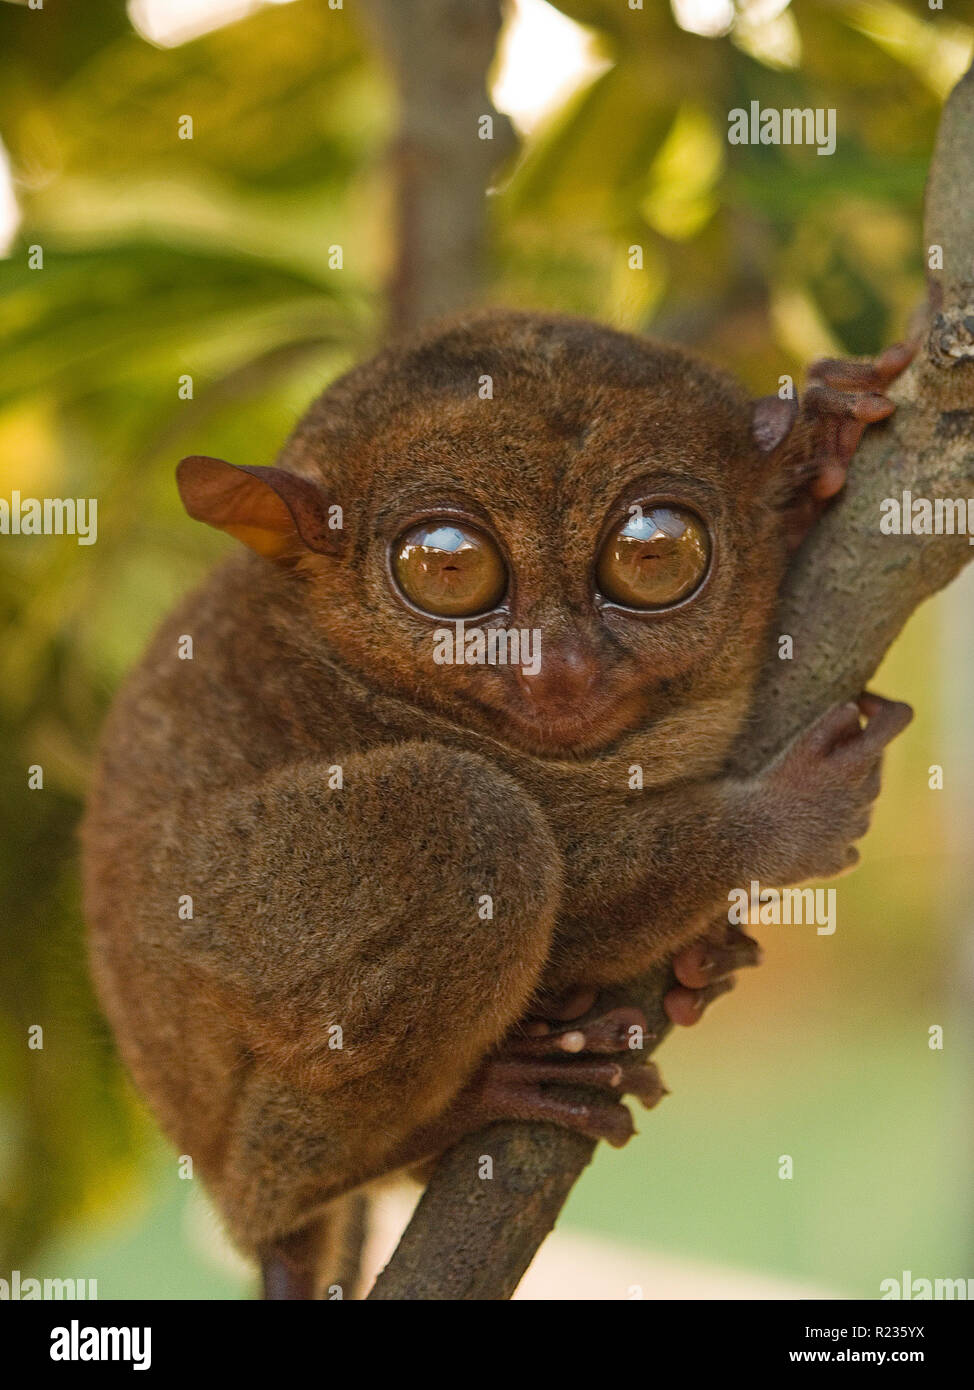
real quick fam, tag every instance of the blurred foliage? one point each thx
(753, 250)
(210, 257)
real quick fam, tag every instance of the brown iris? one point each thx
(659, 557)
(449, 569)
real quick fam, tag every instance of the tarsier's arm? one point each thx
(683, 851)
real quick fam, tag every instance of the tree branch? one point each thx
(847, 596)
(439, 51)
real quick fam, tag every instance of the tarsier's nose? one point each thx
(567, 673)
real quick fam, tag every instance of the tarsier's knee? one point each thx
(467, 852)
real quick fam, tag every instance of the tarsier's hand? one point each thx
(841, 399)
(817, 796)
(820, 793)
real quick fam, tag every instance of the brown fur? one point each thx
(359, 906)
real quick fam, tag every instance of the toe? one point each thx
(685, 1007)
(619, 1030)
(714, 959)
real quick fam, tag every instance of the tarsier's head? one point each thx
(609, 498)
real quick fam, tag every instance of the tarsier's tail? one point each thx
(322, 1260)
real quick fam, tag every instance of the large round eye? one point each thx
(450, 570)
(656, 559)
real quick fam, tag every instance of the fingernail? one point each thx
(572, 1042)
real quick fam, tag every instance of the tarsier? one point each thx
(338, 808)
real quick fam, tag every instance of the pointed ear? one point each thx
(275, 512)
(772, 420)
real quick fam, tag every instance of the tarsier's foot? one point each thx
(841, 399)
(525, 1079)
(528, 1088)
(705, 971)
(566, 1041)
(564, 1025)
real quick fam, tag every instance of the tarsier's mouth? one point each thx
(560, 721)
(576, 732)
